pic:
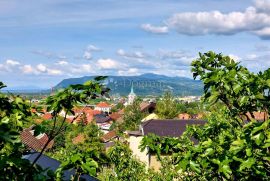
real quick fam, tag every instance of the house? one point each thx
(85, 114)
(36, 143)
(147, 107)
(160, 127)
(103, 107)
(51, 164)
(103, 121)
(109, 136)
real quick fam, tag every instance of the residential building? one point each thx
(103, 107)
(160, 127)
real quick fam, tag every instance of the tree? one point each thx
(124, 165)
(167, 107)
(231, 147)
(132, 116)
(14, 112)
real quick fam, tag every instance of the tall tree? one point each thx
(167, 107)
(132, 116)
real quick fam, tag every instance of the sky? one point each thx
(43, 42)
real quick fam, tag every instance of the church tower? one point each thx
(131, 96)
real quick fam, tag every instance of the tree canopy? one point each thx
(230, 146)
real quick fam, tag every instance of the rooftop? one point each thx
(168, 127)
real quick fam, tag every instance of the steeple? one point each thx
(131, 96)
(131, 90)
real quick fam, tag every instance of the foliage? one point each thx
(132, 116)
(225, 80)
(125, 166)
(230, 147)
(14, 112)
(118, 107)
(190, 108)
(166, 107)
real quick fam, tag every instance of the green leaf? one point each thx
(258, 138)
(237, 88)
(226, 170)
(237, 146)
(75, 158)
(195, 167)
(247, 164)
(248, 152)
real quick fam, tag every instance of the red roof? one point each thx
(108, 136)
(47, 116)
(103, 104)
(37, 143)
(115, 116)
(86, 110)
(88, 118)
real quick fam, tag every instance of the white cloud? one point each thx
(92, 48)
(54, 72)
(251, 57)
(130, 71)
(255, 19)
(235, 57)
(62, 62)
(9, 65)
(12, 62)
(137, 55)
(41, 68)
(263, 5)
(86, 68)
(264, 33)
(108, 64)
(27, 69)
(87, 55)
(155, 29)
(216, 22)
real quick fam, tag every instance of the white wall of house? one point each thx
(134, 143)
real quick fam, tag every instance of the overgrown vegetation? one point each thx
(231, 146)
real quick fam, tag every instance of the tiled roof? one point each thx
(168, 127)
(146, 105)
(115, 116)
(36, 143)
(87, 118)
(108, 136)
(103, 105)
(47, 116)
(102, 119)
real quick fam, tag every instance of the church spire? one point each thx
(131, 90)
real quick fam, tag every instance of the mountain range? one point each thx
(145, 84)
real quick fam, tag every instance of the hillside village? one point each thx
(105, 118)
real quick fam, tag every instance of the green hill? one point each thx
(145, 84)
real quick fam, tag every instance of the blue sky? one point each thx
(45, 41)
